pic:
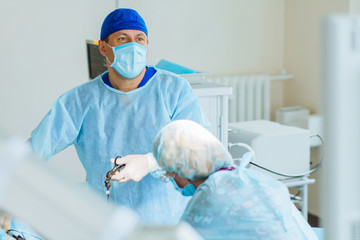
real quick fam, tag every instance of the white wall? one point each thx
(219, 37)
(43, 54)
(302, 49)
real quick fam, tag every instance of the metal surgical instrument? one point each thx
(112, 172)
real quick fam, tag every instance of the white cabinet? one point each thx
(213, 99)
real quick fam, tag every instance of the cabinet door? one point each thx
(214, 109)
(209, 105)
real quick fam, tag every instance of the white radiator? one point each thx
(250, 99)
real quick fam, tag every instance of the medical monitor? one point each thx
(96, 61)
(340, 177)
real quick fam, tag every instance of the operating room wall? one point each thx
(43, 54)
(303, 59)
(221, 38)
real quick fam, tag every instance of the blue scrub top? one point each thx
(103, 122)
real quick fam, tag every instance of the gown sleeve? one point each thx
(59, 128)
(184, 104)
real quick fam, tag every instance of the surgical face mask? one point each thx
(187, 191)
(129, 59)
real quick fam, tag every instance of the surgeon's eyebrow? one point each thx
(141, 34)
(121, 33)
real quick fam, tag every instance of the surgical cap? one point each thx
(191, 151)
(121, 19)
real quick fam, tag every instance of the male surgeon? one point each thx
(119, 113)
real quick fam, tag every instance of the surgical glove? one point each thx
(136, 167)
(5, 222)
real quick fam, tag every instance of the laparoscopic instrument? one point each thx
(112, 172)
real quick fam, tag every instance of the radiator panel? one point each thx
(251, 98)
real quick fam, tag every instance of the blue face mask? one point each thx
(187, 191)
(129, 59)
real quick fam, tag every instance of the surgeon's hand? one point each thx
(136, 167)
(5, 222)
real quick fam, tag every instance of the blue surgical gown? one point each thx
(103, 122)
(245, 204)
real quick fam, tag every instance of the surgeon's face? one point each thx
(122, 37)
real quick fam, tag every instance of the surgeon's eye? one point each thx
(141, 39)
(122, 39)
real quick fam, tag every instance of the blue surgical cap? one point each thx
(121, 19)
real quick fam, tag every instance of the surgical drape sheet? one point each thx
(103, 122)
(245, 204)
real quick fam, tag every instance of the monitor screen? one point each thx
(96, 61)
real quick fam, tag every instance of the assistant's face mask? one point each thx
(187, 191)
(129, 59)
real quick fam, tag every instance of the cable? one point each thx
(288, 175)
(296, 197)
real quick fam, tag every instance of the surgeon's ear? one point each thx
(102, 48)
